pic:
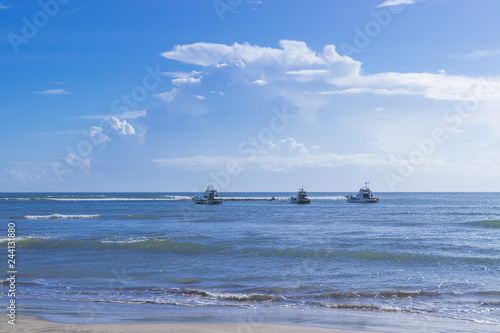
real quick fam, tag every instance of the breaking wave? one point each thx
(60, 216)
(494, 224)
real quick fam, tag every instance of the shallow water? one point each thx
(428, 254)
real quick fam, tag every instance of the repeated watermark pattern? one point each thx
(249, 147)
(381, 18)
(453, 119)
(80, 154)
(32, 26)
(11, 273)
(223, 6)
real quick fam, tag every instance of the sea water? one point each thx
(428, 255)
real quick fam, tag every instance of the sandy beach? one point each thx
(25, 323)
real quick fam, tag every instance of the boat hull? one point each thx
(355, 200)
(300, 202)
(202, 201)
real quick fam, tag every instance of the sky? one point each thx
(249, 95)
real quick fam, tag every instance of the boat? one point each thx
(210, 197)
(364, 195)
(301, 197)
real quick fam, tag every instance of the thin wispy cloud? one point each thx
(123, 115)
(282, 155)
(54, 92)
(389, 3)
(276, 163)
(4, 6)
(476, 54)
(260, 82)
(64, 132)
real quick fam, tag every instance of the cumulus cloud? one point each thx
(292, 54)
(288, 145)
(186, 80)
(181, 78)
(97, 135)
(295, 61)
(114, 125)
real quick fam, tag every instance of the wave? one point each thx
(278, 198)
(140, 217)
(235, 297)
(19, 283)
(103, 198)
(365, 255)
(60, 216)
(4, 240)
(378, 294)
(135, 245)
(370, 307)
(160, 198)
(494, 224)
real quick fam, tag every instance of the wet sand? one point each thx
(25, 323)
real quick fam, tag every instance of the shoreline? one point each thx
(30, 323)
(70, 316)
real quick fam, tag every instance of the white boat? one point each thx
(364, 195)
(301, 197)
(210, 197)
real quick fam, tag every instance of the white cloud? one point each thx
(77, 161)
(54, 92)
(199, 97)
(368, 90)
(114, 125)
(3, 6)
(288, 145)
(283, 155)
(180, 78)
(295, 61)
(29, 172)
(63, 132)
(97, 135)
(168, 96)
(477, 54)
(278, 163)
(396, 3)
(179, 75)
(260, 82)
(309, 72)
(186, 80)
(292, 54)
(432, 86)
(123, 115)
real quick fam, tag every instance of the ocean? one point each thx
(94, 257)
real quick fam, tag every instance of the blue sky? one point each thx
(261, 95)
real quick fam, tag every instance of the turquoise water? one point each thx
(427, 254)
